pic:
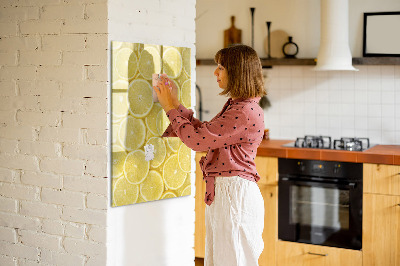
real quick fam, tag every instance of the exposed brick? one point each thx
(19, 161)
(98, 73)
(84, 216)
(53, 227)
(97, 11)
(20, 43)
(7, 175)
(19, 221)
(19, 13)
(39, 118)
(19, 250)
(75, 230)
(40, 27)
(41, 179)
(58, 134)
(84, 120)
(97, 234)
(8, 204)
(35, 239)
(64, 42)
(63, 197)
(39, 87)
(26, 262)
(18, 72)
(60, 73)
(62, 12)
(85, 152)
(94, 201)
(40, 58)
(40, 148)
(86, 184)
(8, 117)
(26, 103)
(8, 58)
(62, 166)
(96, 136)
(7, 88)
(8, 234)
(17, 191)
(8, 260)
(87, 57)
(61, 258)
(87, 88)
(16, 132)
(84, 247)
(84, 26)
(96, 260)
(38, 209)
(97, 42)
(8, 145)
(36, 2)
(96, 168)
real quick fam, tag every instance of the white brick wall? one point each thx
(53, 121)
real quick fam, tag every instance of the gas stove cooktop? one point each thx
(325, 142)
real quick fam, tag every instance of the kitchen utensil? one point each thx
(232, 35)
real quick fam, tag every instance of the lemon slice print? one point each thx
(184, 158)
(173, 175)
(118, 160)
(186, 93)
(186, 191)
(151, 119)
(162, 122)
(186, 60)
(172, 62)
(149, 62)
(159, 151)
(119, 105)
(126, 63)
(140, 98)
(168, 194)
(120, 85)
(116, 45)
(114, 134)
(132, 133)
(152, 187)
(124, 193)
(174, 143)
(136, 167)
(187, 183)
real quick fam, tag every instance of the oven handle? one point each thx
(298, 181)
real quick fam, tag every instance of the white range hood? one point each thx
(334, 51)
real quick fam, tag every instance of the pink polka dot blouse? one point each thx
(231, 139)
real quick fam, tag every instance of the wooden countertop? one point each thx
(379, 154)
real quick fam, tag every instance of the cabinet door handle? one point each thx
(318, 254)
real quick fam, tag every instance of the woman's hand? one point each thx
(165, 97)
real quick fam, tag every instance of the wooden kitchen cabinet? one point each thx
(298, 254)
(381, 179)
(381, 230)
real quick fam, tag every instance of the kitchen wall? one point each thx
(339, 104)
(159, 232)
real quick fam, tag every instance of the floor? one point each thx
(199, 262)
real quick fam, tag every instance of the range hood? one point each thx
(334, 51)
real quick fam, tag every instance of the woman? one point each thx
(235, 207)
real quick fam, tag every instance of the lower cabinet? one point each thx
(298, 254)
(381, 230)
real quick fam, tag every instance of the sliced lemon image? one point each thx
(174, 143)
(162, 122)
(187, 183)
(126, 63)
(186, 191)
(124, 193)
(120, 85)
(186, 91)
(116, 45)
(140, 199)
(149, 61)
(132, 133)
(152, 187)
(140, 98)
(114, 134)
(168, 194)
(173, 175)
(118, 159)
(119, 105)
(159, 151)
(186, 60)
(136, 167)
(151, 119)
(184, 158)
(172, 62)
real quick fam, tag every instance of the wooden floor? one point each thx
(199, 262)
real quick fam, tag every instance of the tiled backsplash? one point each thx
(333, 103)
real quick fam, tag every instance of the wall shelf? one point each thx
(312, 61)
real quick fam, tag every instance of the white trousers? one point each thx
(234, 223)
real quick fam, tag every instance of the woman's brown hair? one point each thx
(245, 78)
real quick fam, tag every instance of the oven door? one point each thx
(321, 212)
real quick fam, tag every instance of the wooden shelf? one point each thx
(312, 61)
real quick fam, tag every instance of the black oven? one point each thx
(320, 202)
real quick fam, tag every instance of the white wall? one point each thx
(338, 104)
(299, 18)
(160, 232)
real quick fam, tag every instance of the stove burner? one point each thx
(308, 141)
(351, 144)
